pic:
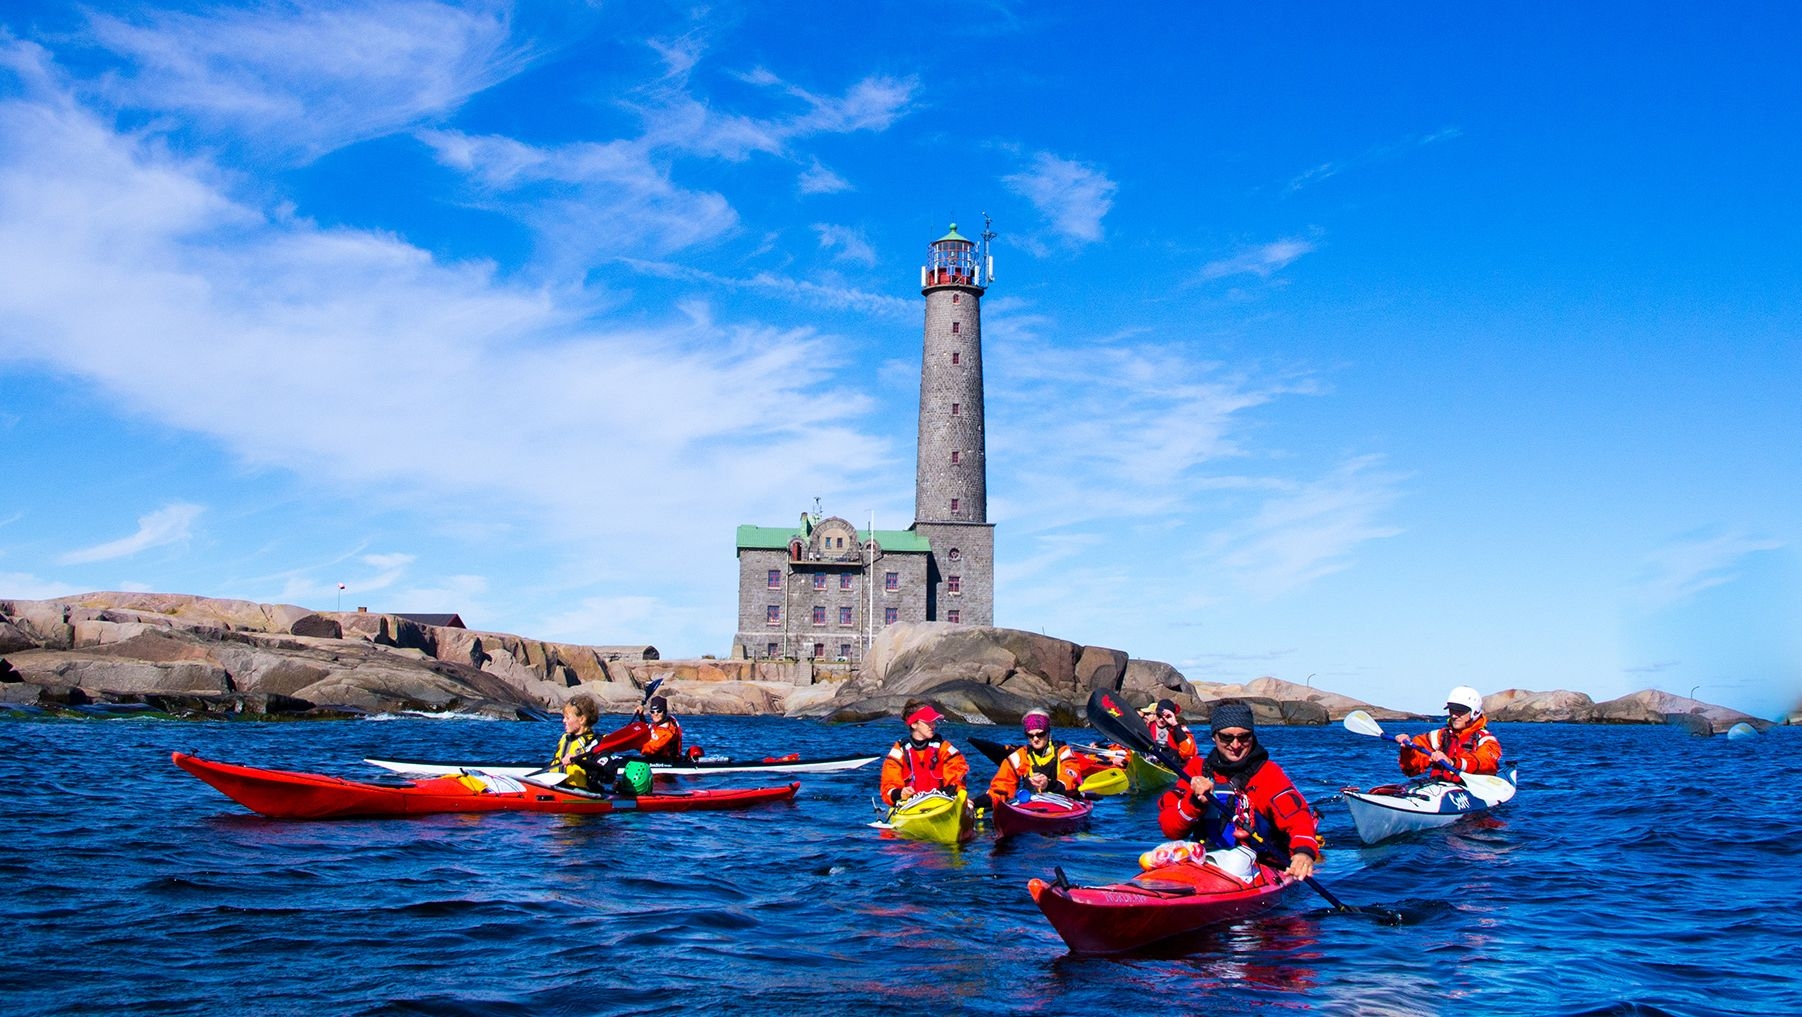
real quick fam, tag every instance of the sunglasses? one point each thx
(1455, 710)
(1235, 739)
(1038, 734)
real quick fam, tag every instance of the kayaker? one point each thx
(923, 762)
(1040, 766)
(578, 741)
(1267, 813)
(1167, 729)
(664, 743)
(1463, 745)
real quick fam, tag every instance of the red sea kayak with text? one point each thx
(286, 794)
(1162, 902)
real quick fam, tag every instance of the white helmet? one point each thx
(1466, 696)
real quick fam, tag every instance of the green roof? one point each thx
(954, 235)
(776, 538)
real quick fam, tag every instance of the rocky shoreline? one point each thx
(188, 656)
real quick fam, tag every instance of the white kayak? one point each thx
(704, 765)
(1385, 812)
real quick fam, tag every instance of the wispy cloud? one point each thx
(1262, 261)
(1686, 567)
(170, 524)
(1380, 153)
(313, 78)
(1311, 529)
(1075, 197)
(817, 179)
(107, 241)
(847, 243)
(25, 586)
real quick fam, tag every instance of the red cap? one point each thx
(925, 713)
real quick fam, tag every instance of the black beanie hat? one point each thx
(1230, 714)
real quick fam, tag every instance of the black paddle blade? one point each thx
(1120, 723)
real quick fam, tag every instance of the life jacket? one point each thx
(1474, 750)
(935, 764)
(1263, 802)
(1177, 739)
(581, 743)
(1058, 764)
(664, 743)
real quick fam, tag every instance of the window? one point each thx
(890, 615)
(819, 614)
(891, 581)
(771, 651)
(775, 579)
(841, 542)
(844, 616)
(954, 502)
(955, 296)
(956, 457)
(954, 585)
(772, 615)
(953, 615)
(956, 327)
(819, 581)
(955, 409)
(844, 650)
(844, 581)
(956, 358)
(819, 650)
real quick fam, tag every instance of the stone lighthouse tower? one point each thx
(951, 478)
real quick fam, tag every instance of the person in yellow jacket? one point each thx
(1041, 766)
(578, 741)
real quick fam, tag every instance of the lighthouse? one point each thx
(951, 472)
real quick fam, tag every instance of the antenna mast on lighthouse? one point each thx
(983, 257)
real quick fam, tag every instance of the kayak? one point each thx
(1384, 812)
(1159, 903)
(1146, 774)
(934, 816)
(698, 768)
(1048, 814)
(285, 794)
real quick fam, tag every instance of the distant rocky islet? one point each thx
(191, 656)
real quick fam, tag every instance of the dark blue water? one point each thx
(1640, 871)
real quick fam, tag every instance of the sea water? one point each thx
(1639, 871)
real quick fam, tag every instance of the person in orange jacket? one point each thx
(1042, 765)
(1263, 811)
(1167, 729)
(1463, 745)
(664, 743)
(924, 761)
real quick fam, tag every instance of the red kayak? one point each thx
(284, 794)
(1162, 902)
(1044, 813)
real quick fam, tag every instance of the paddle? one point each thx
(1484, 785)
(1111, 718)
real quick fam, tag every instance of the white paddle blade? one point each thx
(1359, 722)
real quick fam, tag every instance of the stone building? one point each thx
(823, 589)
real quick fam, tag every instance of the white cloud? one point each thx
(817, 179)
(1075, 197)
(362, 364)
(170, 524)
(310, 79)
(849, 244)
(1310, 529)
(25, 586)
(1262, 261)
(1684, 568)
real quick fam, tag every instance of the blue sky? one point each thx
(1382, 347)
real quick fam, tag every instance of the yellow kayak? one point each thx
(934, 816)
(1146, 774)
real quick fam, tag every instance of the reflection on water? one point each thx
(1588, 894)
